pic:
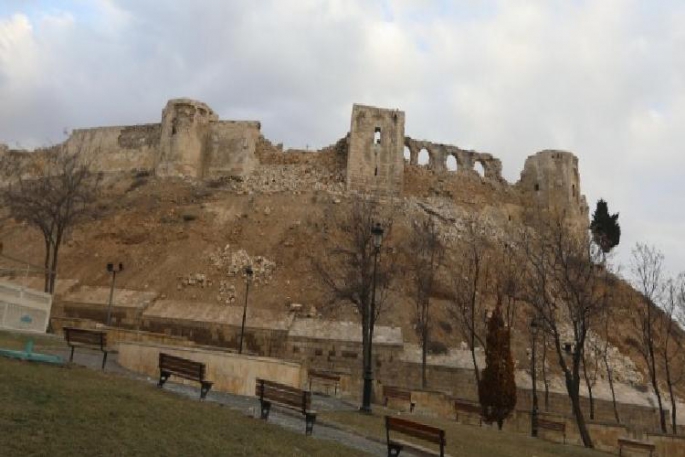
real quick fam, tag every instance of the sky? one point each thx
(602, 79)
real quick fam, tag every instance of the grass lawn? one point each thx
(463, 440)
(67, 411)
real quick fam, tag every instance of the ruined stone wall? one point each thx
(115, 149)
(231, 149)
(550, 180)
(466, 160)
(375, 162)
(185, 127)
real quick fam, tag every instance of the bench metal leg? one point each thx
(265, 408)
(394, 449)
(71, 357)
(204, 390)
(104, 360)
(163, 376)
(309, 423)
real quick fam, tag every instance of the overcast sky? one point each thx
(604, 79)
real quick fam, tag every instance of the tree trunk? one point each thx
(589, 388)
(652, 369)
(46, 265)
(573, 387)
(544, 371)
(53, 267)
(424, 353)
(655, 386)
(669, 382)
(610, 378)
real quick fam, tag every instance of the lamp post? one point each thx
(248, 279)
(377, 232)
(111, 269)
(533, 370)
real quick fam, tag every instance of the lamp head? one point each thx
(377, 232)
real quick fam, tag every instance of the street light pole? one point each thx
(377, 232)
(533, 372)
(248, 279)
(114, 271)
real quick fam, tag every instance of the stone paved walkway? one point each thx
(248, 405)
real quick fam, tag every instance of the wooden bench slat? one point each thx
(467, 407)
(184, 368)
(636, 444)
(552, 425)
(415, 429)
(324, 375)
(287, 396)
(90, 339)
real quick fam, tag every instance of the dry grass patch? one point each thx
(463, 440)
(65, 411)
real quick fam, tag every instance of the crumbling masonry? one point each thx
(191, 141)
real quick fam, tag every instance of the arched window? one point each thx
(424, 157)
(451, 163)
(377, 136)
(407, 154)
(479, 169)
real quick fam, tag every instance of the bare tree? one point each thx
(671, 348)
(590, 370)
(426, 255)
(348, 265)
(604, 354)
(53, 192)
(566, 288)
(648, 279)
(469, 284)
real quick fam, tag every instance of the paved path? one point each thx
(248, 405)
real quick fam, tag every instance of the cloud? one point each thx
(602, 79)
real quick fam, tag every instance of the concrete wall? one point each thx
(230, 372)
(117, 335)
(375, 161)
(116, 149)
(668, 445)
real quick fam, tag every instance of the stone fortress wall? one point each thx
(191, 141)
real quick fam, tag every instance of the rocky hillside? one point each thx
(189, 241)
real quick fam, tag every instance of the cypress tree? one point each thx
(606, 231)
(497, 387)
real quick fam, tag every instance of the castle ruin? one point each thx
(191, 141)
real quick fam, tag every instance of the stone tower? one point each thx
(182, 148)
(375, 159)
(551, 180)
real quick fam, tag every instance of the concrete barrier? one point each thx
(234, 373)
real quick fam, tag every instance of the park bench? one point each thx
(326, 378)
(546, 424)
(288, 397)
(397, 393)
(183, 368)
(469, 408)
(416, 430)
(89, 339)
(634, 444)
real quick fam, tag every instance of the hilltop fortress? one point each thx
(191, 141)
